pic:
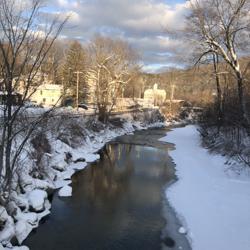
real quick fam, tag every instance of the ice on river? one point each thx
(213, 205)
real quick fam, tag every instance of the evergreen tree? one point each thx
(74, 61)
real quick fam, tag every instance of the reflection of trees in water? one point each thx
(107, 179)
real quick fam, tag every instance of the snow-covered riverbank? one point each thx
(212, 202)
(70, 151)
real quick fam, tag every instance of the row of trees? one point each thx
(105, 66)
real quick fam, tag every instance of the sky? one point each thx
(144, 24)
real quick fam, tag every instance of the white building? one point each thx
(155, 95)
(48, 95)
(43, 92)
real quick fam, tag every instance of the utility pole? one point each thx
(77, 87)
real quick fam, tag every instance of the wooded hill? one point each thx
(197, 84)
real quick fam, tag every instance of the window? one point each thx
(41, 92)
(44, 100)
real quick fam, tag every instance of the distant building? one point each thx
(48, 95)
(155, 95)
(42, 91)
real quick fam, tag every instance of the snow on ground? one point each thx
(213, 206)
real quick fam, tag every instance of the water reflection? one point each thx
(107, 179)
(116, 204)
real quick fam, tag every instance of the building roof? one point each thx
(48, 86)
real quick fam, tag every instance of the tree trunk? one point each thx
(8, 135)
(103, 114)
(243, 112)
(219, 91)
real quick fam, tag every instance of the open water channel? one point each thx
(118, 202)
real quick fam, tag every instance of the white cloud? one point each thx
(142, 22)
(73, 16)
(67, 3)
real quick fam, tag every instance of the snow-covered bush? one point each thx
(41, 148)
(93, 124)
(230, 141)
(148, 116)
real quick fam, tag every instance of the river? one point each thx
(118, 202)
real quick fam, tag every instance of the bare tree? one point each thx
(24, 44)
(112, 64)
(53, 62)
(220, 28)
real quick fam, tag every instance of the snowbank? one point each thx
(65, 191)
(212, 205)
(37, 199)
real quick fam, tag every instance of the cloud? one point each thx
(67, 4)
(143, 23)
